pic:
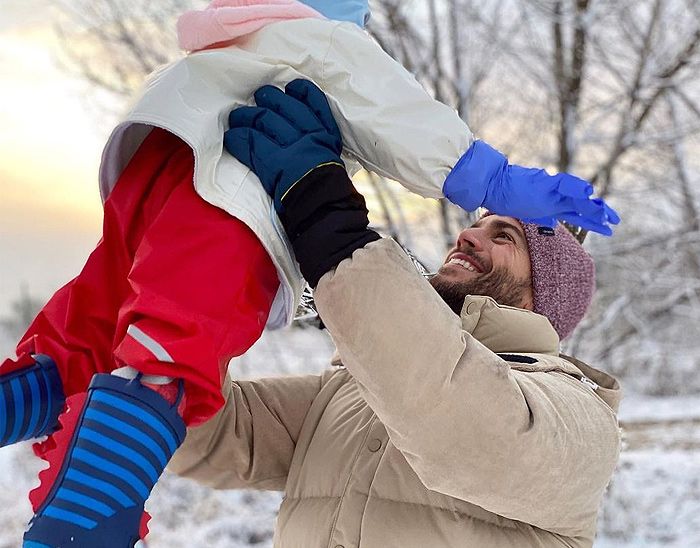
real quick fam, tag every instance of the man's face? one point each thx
(490, 258)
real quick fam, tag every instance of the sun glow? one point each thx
(49, 147)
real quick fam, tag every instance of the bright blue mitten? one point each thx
(288, 134)
(484, 178)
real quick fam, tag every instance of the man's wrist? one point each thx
(325, 219)
(290, 188)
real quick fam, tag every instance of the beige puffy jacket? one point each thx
(433, 432)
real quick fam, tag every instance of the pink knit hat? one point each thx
(563, 276)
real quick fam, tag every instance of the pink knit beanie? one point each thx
(563, 276)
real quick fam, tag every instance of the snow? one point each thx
(19, 469)
(654, 500)
(654, 497)
(641, 408)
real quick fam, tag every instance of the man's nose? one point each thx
(472, 238)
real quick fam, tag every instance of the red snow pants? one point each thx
(175, 287)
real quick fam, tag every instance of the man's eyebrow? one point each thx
(502, 225)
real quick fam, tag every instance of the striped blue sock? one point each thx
(31, 400)
(125, 436)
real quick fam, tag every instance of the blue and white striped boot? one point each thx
(31, 398)
(115, 443)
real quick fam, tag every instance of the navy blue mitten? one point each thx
(289, 134)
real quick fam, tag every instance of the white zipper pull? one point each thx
(589, 383)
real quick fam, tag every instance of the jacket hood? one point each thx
(224, 21)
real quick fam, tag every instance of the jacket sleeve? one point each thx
(534, 447)
(388, 121)
(249, 443)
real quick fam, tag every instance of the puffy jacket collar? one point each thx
(505, 329)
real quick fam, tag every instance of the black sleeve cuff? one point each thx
(326, 220)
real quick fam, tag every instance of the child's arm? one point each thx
(393, 127)
(388, 120)
(249, 443)
(390, 123)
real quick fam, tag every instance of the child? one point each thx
(187, 276)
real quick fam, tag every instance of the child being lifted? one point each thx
(193, 263)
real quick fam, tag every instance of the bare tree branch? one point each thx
(632, 124)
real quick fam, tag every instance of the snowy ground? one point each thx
(654, 498)
(653, 501)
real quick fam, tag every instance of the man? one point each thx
(442, 425)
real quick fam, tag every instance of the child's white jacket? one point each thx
(389, 123)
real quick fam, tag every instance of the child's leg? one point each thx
(76, 327)
(31, 398)
(75, 330)
(201, 289)
(203, 286)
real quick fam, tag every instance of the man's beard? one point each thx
(499, 284)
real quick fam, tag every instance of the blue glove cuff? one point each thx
(469, 181)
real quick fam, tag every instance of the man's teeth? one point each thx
(463, 263)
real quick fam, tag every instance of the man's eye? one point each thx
(505, 235)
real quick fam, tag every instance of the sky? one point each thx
(50, 146)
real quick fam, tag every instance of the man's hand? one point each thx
(289, 134)
(484, 178)
(292, 143)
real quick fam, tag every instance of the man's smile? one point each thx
(463, 260)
